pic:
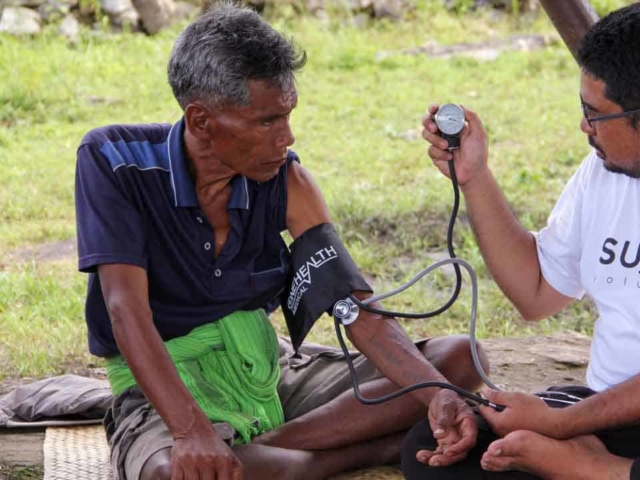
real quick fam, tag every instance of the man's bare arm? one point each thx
(384, 342)
(507, 248)
(125, 292)
(381, 339)
(616, 407)
(197, 448)
(612, 408)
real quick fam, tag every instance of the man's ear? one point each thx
(198, 120)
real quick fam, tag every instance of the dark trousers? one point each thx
(624, 442)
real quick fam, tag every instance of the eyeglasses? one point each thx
(599, 118)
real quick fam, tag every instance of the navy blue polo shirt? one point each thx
(136, 204)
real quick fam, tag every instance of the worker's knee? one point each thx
(451, 355)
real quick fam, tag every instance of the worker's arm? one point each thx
(508, 249)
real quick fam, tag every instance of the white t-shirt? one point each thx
(592, 244)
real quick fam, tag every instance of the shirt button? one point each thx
(207, 246)
(199, 219)
(218, 272)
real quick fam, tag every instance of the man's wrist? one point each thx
(477, 182)
(193, 422)
(433, 392)
(561, 423)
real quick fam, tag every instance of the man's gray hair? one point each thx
(215, 56)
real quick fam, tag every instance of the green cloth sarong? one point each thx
(230, 366)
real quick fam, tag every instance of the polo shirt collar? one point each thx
(184, 191)
(239, 193)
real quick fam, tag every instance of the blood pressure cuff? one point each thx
(321, 273)
(635, 470)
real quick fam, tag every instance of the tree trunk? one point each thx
(572, 19)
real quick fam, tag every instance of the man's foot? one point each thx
(581, 458)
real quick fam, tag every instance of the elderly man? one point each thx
(590, 245)
(180, 229)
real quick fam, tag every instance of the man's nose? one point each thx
(586, 128)
(286, 137)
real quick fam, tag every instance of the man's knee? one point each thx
(451, 355)
(158, 467)
(158, 472)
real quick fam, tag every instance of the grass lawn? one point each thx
(355, 127)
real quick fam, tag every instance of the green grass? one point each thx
(389, 203)
(8, 472)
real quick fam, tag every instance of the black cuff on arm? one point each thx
(635, 470)
(322, 272)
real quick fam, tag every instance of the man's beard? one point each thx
(629, 172)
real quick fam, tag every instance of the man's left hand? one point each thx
(454, 427)
(522, 412)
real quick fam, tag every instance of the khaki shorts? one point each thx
(135, 430)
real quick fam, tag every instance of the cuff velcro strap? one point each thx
(321, 273)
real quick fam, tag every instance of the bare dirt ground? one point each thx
(47, 252)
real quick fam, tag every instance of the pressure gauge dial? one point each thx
(450, 121)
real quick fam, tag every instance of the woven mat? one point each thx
(82, 453)
(73, 453)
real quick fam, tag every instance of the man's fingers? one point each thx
(462, 446)
(210, 474)
(472, 118)
(444, 417)
(488, 413)
(227, 468)
(438, 155)
(177, 473)
(433, 138)
(222, 471)
(469, 428)
(470, 115)
(423, 456)
(445, 461)
(238, 473)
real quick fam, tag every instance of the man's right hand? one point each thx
(470, 159)
(454, 427)
(204, 456)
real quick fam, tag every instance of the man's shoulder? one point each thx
(143, 146)
(153, 133)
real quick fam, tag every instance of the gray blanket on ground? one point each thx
(56, 401)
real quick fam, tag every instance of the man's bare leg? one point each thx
(272, 463)
(346, 421)
(345, 434)
(581, 458)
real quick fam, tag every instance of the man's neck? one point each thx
(210, 176)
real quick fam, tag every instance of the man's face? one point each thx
(253, 140)
(616, 142)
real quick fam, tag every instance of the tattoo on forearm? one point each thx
(388, 356)
(391, 358)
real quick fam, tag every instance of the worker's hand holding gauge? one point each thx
(450, 121)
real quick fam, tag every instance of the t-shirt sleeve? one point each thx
(109, 223)
(559, 244)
